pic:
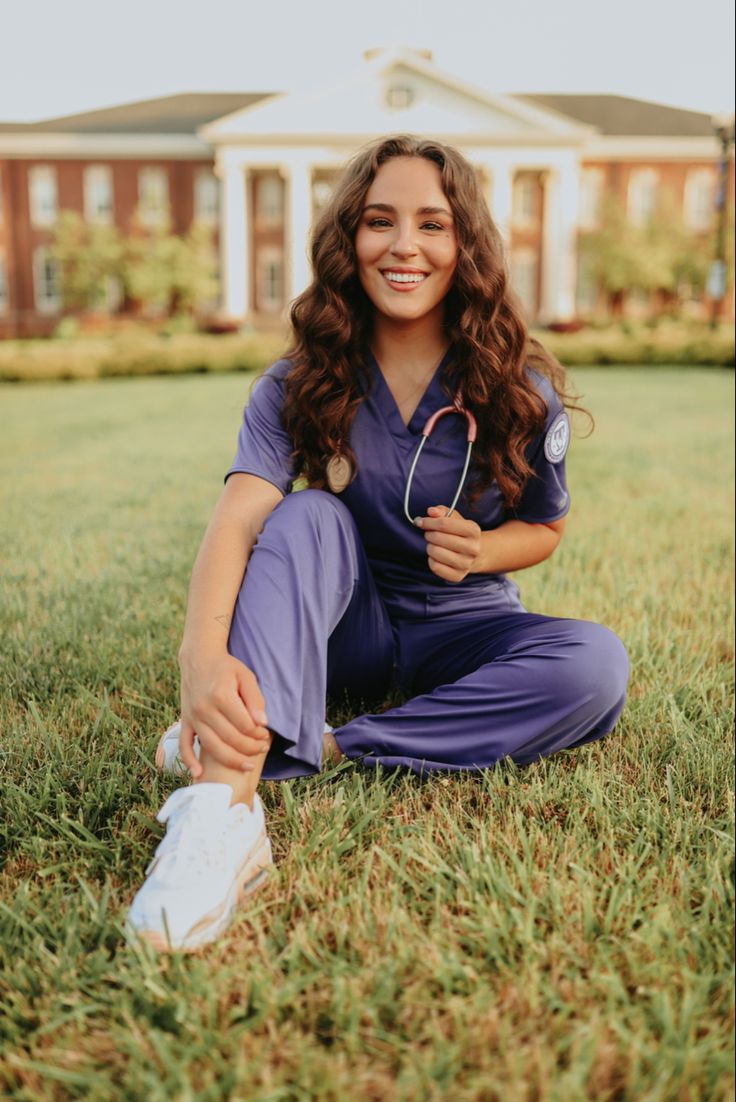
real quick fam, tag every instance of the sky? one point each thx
(77, 55)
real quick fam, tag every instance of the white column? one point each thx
(559, 244)
(298, 227)
(500, 199)
(235, 245)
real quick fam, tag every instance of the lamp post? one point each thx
(716, 282)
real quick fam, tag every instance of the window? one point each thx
(591, 192)
(112, 294)
(98, 194)
(524, 267)
(642, 197)
(42, 195)
(4, 298)
(270, 287)
(153, 196)
(699, 199)
(323, 185)
(46, 290)
(524, 203)
(400, 95)
(206, 197)
(269, 200)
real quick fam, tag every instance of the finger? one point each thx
(249, 743)
(221, 752)
(230, 704)
(252, 696)
(445, 572)
(450, 541)
(454, 523)
(186, 750)
(448, 558)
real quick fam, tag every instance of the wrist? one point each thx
(485, 560)
(196, 649)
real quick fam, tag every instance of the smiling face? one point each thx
(406, 247)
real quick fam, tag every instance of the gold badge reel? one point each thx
(339, 473)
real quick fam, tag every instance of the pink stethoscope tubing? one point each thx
(456, 407)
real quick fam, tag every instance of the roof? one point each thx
(186, 112)
(179, 114)
(623, 116)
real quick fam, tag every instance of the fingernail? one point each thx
(260, 717)
(246, 767)
(419, 521)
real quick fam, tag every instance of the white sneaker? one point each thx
(211, 855)
(168, 758)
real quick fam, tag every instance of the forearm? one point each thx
(220, 564)
(213, 588)
(516, 545)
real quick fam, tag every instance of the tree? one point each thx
(661, 256)
(164, 272)
(88, 256)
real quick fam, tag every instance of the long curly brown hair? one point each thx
(490, 344)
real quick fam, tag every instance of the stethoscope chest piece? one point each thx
(339, 473)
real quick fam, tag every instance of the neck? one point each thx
(410, 347)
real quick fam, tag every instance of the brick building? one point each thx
(256, 167)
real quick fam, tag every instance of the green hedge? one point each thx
(135, 354)
(670, 343)
(179, 353)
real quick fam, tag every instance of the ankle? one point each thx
(331, 752)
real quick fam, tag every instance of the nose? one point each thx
(403, 244)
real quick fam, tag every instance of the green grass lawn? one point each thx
(543, 934)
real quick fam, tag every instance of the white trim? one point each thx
(349, 142)
(96, 146)
(652, 149)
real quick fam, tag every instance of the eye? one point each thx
(377, 223)
(432, 226)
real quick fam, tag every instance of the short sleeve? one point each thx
(545, 497)
(264, 448)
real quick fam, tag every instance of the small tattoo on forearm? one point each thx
(224, 620)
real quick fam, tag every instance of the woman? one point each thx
(359, 582)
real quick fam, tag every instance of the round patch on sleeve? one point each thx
(557, 439)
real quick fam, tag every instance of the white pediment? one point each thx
(394, 93)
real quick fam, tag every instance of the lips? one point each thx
(404, 280)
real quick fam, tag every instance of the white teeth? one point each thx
(404, 277)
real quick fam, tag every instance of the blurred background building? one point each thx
(609, 206)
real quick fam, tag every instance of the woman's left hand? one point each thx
(453, 543)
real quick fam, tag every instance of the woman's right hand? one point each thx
(222, 704)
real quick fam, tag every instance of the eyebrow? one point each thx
(392, 210)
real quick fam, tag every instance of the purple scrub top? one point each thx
(384, 447)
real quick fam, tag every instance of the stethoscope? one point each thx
(456, 407)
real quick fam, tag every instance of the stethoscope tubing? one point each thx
(456, 407)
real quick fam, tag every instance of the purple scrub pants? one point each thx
(488, 679)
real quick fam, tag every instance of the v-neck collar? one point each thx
(432, 398)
